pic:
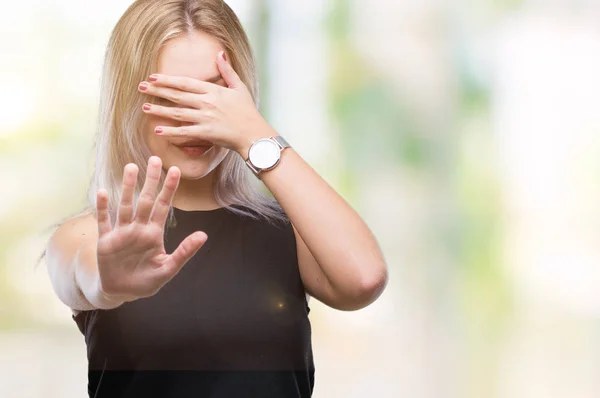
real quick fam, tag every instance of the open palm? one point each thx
(132, 262)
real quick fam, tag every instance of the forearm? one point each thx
(343, 246)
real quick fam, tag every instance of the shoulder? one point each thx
(84, 224)
(70, 234)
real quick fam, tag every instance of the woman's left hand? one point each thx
(226, 116)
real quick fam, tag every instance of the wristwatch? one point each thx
(264, 154)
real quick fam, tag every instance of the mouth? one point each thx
(195, 148)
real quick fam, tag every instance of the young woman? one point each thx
(201, 289)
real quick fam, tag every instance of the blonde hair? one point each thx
(131, 55)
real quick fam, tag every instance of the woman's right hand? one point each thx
(132, 262)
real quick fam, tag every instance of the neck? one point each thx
(195, 194)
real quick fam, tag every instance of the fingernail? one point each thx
(147, 107)
(223, 56)
(158, 130)
(153, 78)
(143, 86)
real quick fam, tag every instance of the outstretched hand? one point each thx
(132, 262)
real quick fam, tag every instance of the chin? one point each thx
(194, 166)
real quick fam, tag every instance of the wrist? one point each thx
(87, 279)
(101, 300)
(264, 131)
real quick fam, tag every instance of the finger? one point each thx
(229, 74)
(173, 112)
(104, 225)
(148, 194)
(165, 197)
(125, 211)
(184, 83)
(171, 96)
(184, 252)
(198, 131)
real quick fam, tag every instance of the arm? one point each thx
(72, 266)
(95, 264)
(340, 261)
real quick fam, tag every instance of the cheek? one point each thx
(152, 121)
(215, 159)
(151, 137)
(219, 156)
(155, 142)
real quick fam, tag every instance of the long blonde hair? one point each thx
(131, 55)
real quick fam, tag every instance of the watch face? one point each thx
(264, 153)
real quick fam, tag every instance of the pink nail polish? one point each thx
(147, 107)
(153, 78)
(158, 130)
(143, 86)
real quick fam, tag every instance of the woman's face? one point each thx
(195, 56)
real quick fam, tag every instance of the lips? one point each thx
(194, 147)
(194, 144)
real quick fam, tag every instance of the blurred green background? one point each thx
(465, 133)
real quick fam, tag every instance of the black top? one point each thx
(232, 323)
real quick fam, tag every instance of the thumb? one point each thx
(229, 75)
(184, 252)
